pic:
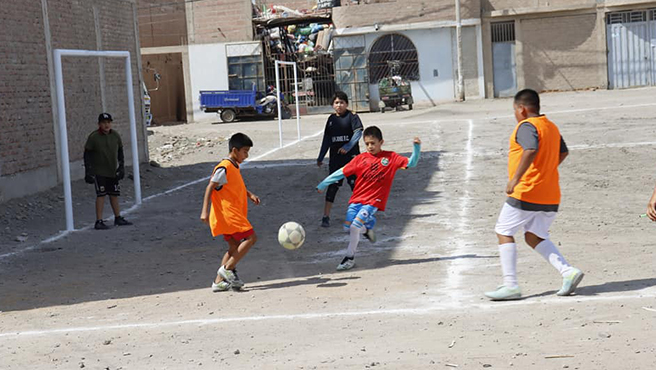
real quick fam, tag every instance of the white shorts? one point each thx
(512, 219)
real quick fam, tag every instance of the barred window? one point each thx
(393, 48)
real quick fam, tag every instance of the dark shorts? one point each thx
(239, 236)
(107, 186)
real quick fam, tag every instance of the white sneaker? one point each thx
(503, 293)
(570, 282)
(346, 264)
(221, 287)
(230, 277)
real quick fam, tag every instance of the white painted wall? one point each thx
(208, 67)
(435, 53)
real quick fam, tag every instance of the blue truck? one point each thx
(233, 104)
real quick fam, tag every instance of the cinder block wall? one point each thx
(562, 52)
(28, 142)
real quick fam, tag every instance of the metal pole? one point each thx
(133, 131)
(298, 114)
(278, 102)
(61, 118)
(461, 82)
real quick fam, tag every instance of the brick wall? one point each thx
(218, 21)
(490, 5)
(292, 4)
(401, 12)
(27, 140)
(562, 53)
(162, 23)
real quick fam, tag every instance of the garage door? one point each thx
(631, 41)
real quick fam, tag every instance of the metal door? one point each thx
(351, 74)
(629, 37)
(503, 59)
(652, 42)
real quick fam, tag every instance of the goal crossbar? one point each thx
(63, 132)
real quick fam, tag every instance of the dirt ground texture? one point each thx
(139, 297)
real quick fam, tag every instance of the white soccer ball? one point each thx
(291, 235)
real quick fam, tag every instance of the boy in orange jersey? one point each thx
(536, 151)
(228, 195)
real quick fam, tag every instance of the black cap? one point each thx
(105, 117)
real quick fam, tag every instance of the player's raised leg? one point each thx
(548, 250)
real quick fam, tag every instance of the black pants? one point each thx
(332, 189)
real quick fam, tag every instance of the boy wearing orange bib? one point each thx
(536, 151)
(228, 196)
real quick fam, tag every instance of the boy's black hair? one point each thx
(528, 98)
(238, 141)
(373, 131)
(341, 95)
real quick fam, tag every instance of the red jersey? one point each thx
(375, 174)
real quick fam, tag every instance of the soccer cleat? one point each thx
(571, 282)
(100, 225)
(120, 221)
(369, 234)
(221, 287)
(325, 221)
(503, 293)
(230, 277)
(346, 264)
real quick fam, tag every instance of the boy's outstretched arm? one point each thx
(331, 179)
(416, 153)
(524, 163)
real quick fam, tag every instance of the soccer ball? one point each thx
(291, 235)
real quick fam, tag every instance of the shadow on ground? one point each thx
(169, 249)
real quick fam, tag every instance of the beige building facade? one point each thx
(568, 45)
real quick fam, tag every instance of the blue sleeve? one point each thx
(414, 158)
(357, 134)
(331, 179)
(325, 145)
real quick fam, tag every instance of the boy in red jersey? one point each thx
(374, 171)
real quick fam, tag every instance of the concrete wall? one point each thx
(28, 33)
(208, 67)
(402, 12)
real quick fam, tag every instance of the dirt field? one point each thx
(139, 297)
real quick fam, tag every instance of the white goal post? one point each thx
(279, 94)
(63, 133)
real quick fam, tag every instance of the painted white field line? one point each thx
(135, 207)
(457, 266)
(325, 315)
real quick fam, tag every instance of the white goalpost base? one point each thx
(298, 116)
(63, 133)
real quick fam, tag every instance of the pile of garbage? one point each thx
(305, 39)
(392, 81)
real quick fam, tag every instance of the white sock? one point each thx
(354, 239)
(549, 252)
(508, 255)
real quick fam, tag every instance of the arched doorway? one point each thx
(393, 47)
